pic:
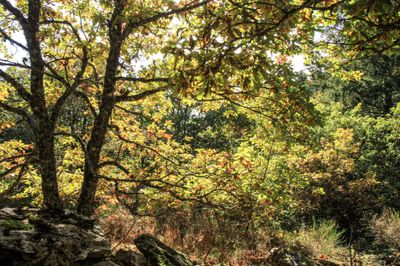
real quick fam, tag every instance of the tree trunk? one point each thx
(41, 124)
(90, 179)
(389, 104)
(48, 170)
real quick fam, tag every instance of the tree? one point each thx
(360, 28)
(372, 82)
(105, 53)
(378, 88)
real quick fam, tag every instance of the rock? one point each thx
(280, 256)
(50, 240)
(128, 258)
(159, 254)
(106, 263)
(9, 213)
(287, 257)
(78, 219)
(324, 262)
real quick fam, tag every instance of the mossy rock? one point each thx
(159, 254)
(11, 224)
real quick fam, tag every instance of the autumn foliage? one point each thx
(188, 116)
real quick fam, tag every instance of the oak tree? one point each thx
(113, 55)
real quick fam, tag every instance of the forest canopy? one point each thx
(168, 107)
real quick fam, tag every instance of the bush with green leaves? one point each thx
(352, 169)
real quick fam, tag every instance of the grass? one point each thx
(386, 229)
(322, 241)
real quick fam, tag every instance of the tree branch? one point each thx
(144, 147)
(10, 170)
(20, 89)
(11, 158)
(135, 24)
(15, 11)
(116, 164)
(21, 173)
(138, 114)
(64, 22)
(53, 73)
(15, 110)
(144, 80)
(11, 40)
(87, 101)
(74, 136)
(83, 147)
(139, 96)
(70, 89)
(145, 181)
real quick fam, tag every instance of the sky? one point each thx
(298, 63)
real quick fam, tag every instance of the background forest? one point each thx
(185, 119)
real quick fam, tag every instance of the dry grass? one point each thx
(207, 239)
(386, 228)
(322, 241)
(121, 228)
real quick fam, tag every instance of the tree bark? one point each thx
(389, 104)
(90, 179)
(48, 170)
(41, 124)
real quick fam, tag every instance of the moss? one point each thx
(15, 225)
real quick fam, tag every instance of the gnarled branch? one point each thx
(139, 96)
(19, 88)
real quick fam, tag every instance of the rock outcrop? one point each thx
(31, 237)
(159, 254)
(128, 258)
